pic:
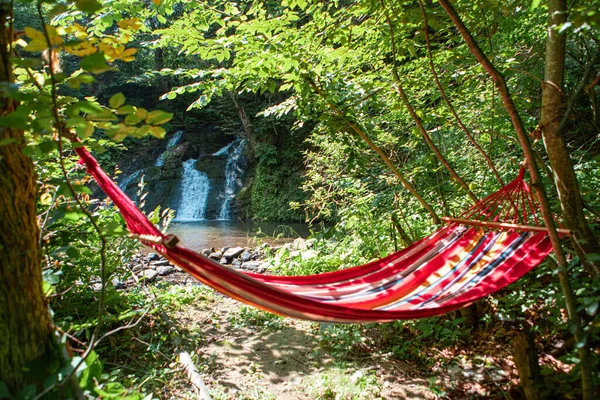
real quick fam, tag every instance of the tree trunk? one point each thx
(554, 141)
(246, 124)
(587, 382)
(159, 64)
(526, 361)
(24, 320)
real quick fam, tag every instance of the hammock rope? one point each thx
(453, 267)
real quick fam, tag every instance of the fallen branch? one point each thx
(186, 361)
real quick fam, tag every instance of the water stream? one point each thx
(194, 193)
(233, 178)
(199, 235)
(160, 160)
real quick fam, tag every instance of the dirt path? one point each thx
(248, 354)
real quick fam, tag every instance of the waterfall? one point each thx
(194, 193)
(126, 181)
(233, 177)
(160, 161)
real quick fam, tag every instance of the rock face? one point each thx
(163, 182)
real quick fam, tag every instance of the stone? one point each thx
(118, 284)
(299, 244)
(149, 275)
(233, 252)
(236, 262)
(246, 256)
(137, 268)
(161, 263)
(206, 252)
(223, 261)
(251, 265)
(165, 270)
(153, 256)
(215, 255)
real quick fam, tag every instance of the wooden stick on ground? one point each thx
(186, 360)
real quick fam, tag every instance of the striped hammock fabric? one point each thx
(455, 266)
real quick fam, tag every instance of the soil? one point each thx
(284, 362)
(245, 353)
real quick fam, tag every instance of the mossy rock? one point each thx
(213, 167)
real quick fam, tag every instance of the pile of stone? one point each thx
(239, 258)
(152, 267)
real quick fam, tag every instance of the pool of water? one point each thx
(198, 235)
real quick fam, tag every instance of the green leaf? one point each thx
(535, 4)
(31, 63)
(4, 393)
(132, 119)
(88, 6)
(158, 117)
(95, 63)
(84, 130)
(157, 132)
(117, 100)
(126, 110)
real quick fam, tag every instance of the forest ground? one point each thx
(245, 353)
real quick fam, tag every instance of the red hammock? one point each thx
(447, 270)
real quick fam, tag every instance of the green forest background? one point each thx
(375, 118)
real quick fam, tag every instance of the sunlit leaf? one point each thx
(95, 63)
(117, 100)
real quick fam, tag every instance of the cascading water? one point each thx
(233, 177)
(160, 161)
(194, 193)
(126, 181)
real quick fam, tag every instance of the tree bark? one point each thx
(159, 64)
(554, 141)
(25, 324)
(246, 124)
(527, 363)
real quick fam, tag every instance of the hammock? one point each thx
(453, 267)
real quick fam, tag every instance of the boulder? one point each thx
(165, 270)
(215, 255)
(224, 260)
(251, 265)
(149, 275)
(233, 252)
(299, 244)
(236, 262)
(118, 284)
(246, 256)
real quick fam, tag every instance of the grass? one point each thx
(343, 382)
